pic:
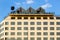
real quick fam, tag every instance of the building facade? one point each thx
(30, 24)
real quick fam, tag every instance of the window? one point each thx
(12, 33)
(25, 38)
(12, 28)
(32, 38)
(19, 23)
(25, 17)
(6, 38)
(51, 28)
(12, 17)
(45, 33)
(6, 28)
(19, 17)
(45, 28)
(38, 33)
(32, 23)
(25, 23)
(51, 23)
(25, 33)
(38, 23)
(19, 33)
(45, 38)
(6, 23)
(51, 17)
(58, 23)
(19, 38)
(44, 17)
(38, 17)
(38, 28)
(6, 33)
(38, 38)
(58, 33)
(58, 28)
(32, 28)
(45, 23)
(58, 38)
(25, 28)
(32, 33)
(12, 23)
(57, 17)
(51, 33)
(19, 28)
(12, 38)
(31, 17)
(51, 38)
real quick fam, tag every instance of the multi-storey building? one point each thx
(30, 24)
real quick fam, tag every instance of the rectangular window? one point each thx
(6, 38)
(38, 38)
(44, 17)
(51, 38)
(51, 33)
(51, 23)
(19, 38)
(45, 23)
(19, 33)
(12, 23)
(58, 33)
(25, 28)
(32, 38)
(12, 28)
(38, 33)
(57, 28)
(51, 17)
(6, 28)
(19, 28)
(32, 33)
(58, 38)
(19, 17)
(38, 17)
(57, 17)
(12, 38)
(45, 28)
(25, 23)
(6, 23)
(51, 28)
(32, 28)
(45, 38)
(58, 23)
(6, 33)
(12, 17)
(25, 38)
(31, 17)
(19, 23)
(12, 33)
(45, 33)
(25, 33)
(38, 23)
(32, 23)
(38, 28)
(25, 17)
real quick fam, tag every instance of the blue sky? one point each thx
(48, 5)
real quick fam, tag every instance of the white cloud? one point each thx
(45, 6)
(29, 1)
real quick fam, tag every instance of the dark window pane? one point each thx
(38, 23)
(19, 28)
(51, 23)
